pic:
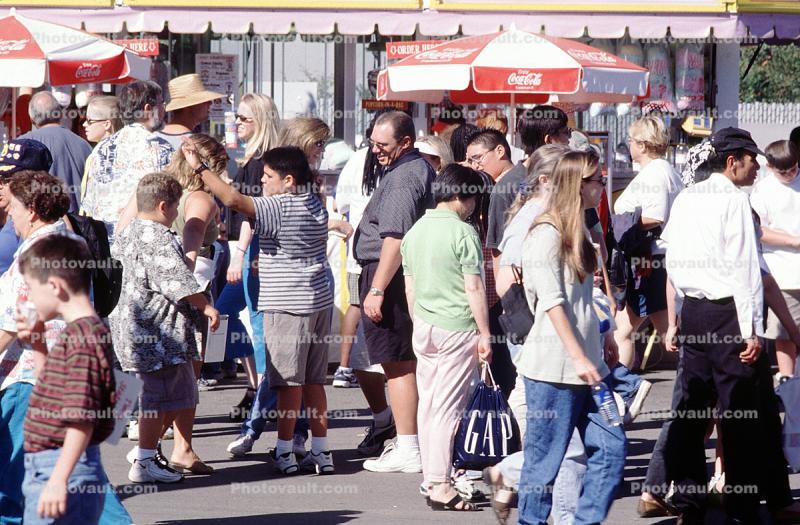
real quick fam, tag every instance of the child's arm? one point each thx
(53, 499)
(224, 192)
(200, 302)
(127, 214)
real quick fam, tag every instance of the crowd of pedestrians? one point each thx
(440, 232)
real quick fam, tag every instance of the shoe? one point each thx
(299, 445)
(466, 488)
(620, 404)
(168, 434)
(149, 470)
(197, 467)
(654, 509)
(241, 411)
(159, 457)
(373, 441)
(240, 446)
(133, 430)
(393, 460)
(286, 462)
(205, 385)
(638, 400)
(502, 496)
(322, 462)
(344, 378)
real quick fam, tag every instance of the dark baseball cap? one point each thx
(24, 154)
(732, 139)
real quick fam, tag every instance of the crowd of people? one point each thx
(440, 230)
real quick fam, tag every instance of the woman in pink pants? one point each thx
(443, 266)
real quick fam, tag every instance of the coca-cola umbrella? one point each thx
(34, 52)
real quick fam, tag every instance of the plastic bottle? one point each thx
(606, 405)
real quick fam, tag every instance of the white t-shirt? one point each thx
(653, 190)
(778, 205)
(350, 199)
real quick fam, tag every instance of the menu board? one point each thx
(219, 73)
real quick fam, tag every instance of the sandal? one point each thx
(197, 467)
(502, 497)
(425, 491)
(456, 503)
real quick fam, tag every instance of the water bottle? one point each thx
(606, 404)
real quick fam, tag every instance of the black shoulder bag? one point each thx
(517, 318)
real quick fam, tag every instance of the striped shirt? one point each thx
(75, 386)
(292, 262)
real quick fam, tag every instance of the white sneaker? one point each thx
(299, 444)
(394, 460)
(322, 462)
(240, 446)
(638, 400)
(286, 462)
(149, 470)
(344, 378)
(168, 434)
(133, 430)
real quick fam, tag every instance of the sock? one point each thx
(408, 444)
(346, 369)
(383, 418)
(283, 446)
(145, 453)
(319, 444)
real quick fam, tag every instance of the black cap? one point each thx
(24, 154)
(731, 139)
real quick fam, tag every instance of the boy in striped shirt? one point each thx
(71, 407)
(294, 293)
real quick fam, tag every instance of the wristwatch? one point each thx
(201, 168)
(376, 292)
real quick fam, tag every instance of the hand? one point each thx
(586, 370)
(345, 228)
(610, 351)
(235, 267)
(53, 500)
(213, 316)
(485, 348)
(372, 307)
(190, 153)
(25, 333)
(751, 352)
(671, 338)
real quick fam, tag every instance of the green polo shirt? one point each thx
(437, 251)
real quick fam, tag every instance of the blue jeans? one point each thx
(266, 401)
(624, 382)
(86, 488)
(13, 405)
(554, 411)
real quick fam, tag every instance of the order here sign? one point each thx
(398, 50)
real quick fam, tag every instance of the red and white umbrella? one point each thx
(515, 66)
(33, 52)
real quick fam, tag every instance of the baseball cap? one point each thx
(24, 154)
(730, 139)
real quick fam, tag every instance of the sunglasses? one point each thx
(243, 118)
(600, 180)
(90, 121)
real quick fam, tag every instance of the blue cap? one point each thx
(24, 154)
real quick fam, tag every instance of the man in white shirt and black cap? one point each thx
(712, 262)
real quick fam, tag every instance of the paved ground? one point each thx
(248, 492)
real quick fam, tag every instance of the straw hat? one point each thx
(188, 90)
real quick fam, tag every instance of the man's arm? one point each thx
(779, 239)
(387, 268)
(53, 498)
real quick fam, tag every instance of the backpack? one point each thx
(106, 272)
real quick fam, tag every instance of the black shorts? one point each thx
(651, 294)
(388, 341)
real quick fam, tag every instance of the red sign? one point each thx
(88, 71)
(372, 104)
(146, 47)
(396, 50)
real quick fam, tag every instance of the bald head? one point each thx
(44, 109)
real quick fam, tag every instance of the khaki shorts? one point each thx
(171, 388)
(297, 345)
(352, 288)
(775, 329)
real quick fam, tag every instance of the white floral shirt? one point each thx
(16, 362)
(119, 162)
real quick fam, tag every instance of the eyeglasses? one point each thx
(242, 118)
(600, 180)
(320, 143)
(477, 159)
(381, 146)
(90, 121)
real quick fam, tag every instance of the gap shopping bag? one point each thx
(789, 392)
(487, 431)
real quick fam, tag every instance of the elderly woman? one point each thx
(653, 190)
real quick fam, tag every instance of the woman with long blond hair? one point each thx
(562, 357)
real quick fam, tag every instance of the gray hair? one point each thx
(44, 109)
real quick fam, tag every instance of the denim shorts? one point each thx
(86, 488)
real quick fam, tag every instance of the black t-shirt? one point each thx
(503, 195)
(248, 182)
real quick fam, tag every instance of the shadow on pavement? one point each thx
(328, 517)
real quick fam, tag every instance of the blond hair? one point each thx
(492, 118)
(543, 162)
(266, 121)
(441, 148)
(108, 108)
(653, 133)
(304, 133)
(211, 152)
(565, 211)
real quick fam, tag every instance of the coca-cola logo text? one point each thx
(592, 56)
(441, 55)
(524, 79)
(7, 46)
(88, 71)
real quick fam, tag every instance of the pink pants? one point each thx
(446, 361)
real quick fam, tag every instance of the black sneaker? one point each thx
(372, 445)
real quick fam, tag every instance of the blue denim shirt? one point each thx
(9, 242)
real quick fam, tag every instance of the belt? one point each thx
(723, 301)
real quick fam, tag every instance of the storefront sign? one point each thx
(219, 73)
(599, 6)
(768, 6)
(146, 47)
(374, 105)
(398, 50)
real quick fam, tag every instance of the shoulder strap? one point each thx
(517, 273)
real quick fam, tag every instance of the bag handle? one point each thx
(517, 273)
(484, 369)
